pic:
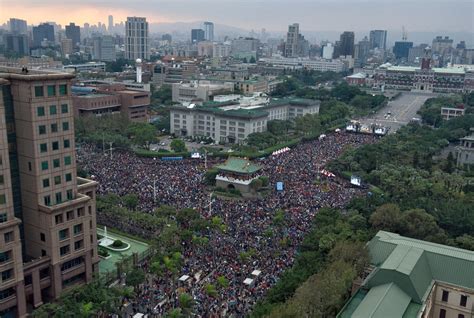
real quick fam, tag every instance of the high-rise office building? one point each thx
(209, 31)
(292, 37)
(361, 51)
(346, 44)
(378, 39)
(111, 24)
(197, 35)
(136, 39)
(104, 48)
(73, 32)
(16, 42)
(328, 51)
(44, 31)
(48, 220)
(66, 46)
(442, 45)
(18, 26)
(401, 49)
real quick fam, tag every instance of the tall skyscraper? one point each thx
(111, 23)
(104, 48)
(136, 39)
(292, 37)
(48, 215)
(197, 35)
(44, 31)
(442, 45)
(73, 32)
(346, 44)
(361, 51)
(401, 49)
(209, 31)
(328, 51)
(16, 42)
(378, 39)
(18, 26)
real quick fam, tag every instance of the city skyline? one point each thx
(327, 15)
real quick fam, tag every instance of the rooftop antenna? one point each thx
(404, 34)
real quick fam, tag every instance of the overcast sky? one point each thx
(275, 15)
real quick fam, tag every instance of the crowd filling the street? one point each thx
(180, 184)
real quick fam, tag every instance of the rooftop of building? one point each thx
(239, 165)
(17, 73)
(442, 70)
(405, 270)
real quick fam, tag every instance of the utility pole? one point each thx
(154, 189)
(103, 144)
(210, 204)
(205, 159)
(111, 149)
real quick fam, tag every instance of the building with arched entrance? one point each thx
(237, 173)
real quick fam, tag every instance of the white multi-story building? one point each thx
(199, 91)
(323, 65)
(136, 39)
(328, 51)
(234, 120)
(209, 31)
(221, 50)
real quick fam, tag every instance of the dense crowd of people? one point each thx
(250, 223)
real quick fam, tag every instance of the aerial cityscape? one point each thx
(237, 159)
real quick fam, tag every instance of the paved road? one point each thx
(401, 110)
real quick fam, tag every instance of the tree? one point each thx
(252, 60)
(130, 201)
(135, 277)
(178, 145)
(186, 303)
(450, 163)
(256, 184)
(387, 217)
(210, 176)
(222, 281)
(418, 224)
(211, 290)
(143, 134)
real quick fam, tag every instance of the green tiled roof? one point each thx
(383, 301)
(408, 268)
(239, 165)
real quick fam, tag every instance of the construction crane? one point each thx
(404, 34)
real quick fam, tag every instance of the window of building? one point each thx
(56, 163)
(47, 200)
(80, 212)
(43, 237)
(3, 217)
(77, 229)
(67, 143)
(58, 218)
(69, 195)
(64, 250)
(445, 296)
(55, 145)
(51, 91)
(53, 110)
(463, 301)
(44, 273)
(68, 177)
(64, 108)
(54, 128)
(72, 263)
(28, 280)
(39, 91)
(57, 180)
(78, 245)
(45, 183)
(63, 89)
(59, 197)
(65, 126)
(29, 166)
(5, 256)
(67, 160)
(43, 148)
(460, 316)
(44, 165)
(42, 129)
(63, 234)
(6, 275)
(69, 215)
(9, 237)
(442, 313)
(3, 199)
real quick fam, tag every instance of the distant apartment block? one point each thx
(199, 91)
(137, 44)
(100, 98)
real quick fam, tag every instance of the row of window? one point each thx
(462, 301)
(53, 110)
(56, 163)
(7, 275)
(442, 314)
(55, 145)
(8, 237)
(5, 256)
(64, 233)
(59, 198)
(50, 90)
(57, 180)
(3, 217)
(59, 218)
(65, 250)
(54, 128)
